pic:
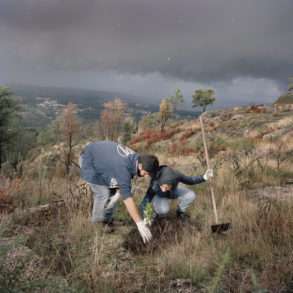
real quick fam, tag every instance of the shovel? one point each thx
(217, 227)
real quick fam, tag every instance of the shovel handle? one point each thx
(214, 204)
(208, 165)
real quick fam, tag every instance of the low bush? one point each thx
(180, 149)
(150, 137)
(187, 134)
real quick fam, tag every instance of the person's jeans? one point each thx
(102, 195)
(100, 211)
(184, 196)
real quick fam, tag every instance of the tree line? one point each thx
(115, 123)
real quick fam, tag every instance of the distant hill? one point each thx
(285, 99)
(41, 104)
(64, 95)
(288, 97)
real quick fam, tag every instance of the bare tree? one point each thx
(69, 127)
(112, 119)
(166, 110)
(176, 100)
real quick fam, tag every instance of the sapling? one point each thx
(148, 214)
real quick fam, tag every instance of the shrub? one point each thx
(7, 189)
(180, 149)
(187, 134)
(150, 136)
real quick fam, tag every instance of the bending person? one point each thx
(109, 167)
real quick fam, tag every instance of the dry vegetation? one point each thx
(57, 249)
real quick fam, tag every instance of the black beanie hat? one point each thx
(149, 163)
(167, 176)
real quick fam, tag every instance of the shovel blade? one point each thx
(219, 228)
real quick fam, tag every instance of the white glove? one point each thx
(208, 174)
(113, 200)
(144, 231)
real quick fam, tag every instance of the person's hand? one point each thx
(144, 231)
(113, 200)
(208, 174)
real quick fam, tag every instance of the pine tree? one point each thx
(203, 98)
(8, 114)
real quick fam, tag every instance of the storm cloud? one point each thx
(202, 42)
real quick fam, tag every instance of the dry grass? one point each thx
(259, 244)
(8, 187)
(255, 256)
(282, 123)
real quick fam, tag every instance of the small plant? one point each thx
(149, 214)
(224, 262)
(256, 286)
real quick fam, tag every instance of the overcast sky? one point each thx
(241, 48)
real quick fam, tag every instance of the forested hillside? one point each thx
(48, 243)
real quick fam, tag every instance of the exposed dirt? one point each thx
(166, 231)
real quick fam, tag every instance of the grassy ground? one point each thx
(59, 250)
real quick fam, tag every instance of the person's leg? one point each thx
(185, 198)
(101, 196)
(80, 160)
(161, 205)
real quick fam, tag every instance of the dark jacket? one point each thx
(110, 164)
(167, 175)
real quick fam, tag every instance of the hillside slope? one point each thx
(252, 156)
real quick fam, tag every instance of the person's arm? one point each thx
(125, 191)
(132, 209)
(144, 231)
(190, 180)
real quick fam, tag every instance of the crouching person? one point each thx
(164, 188)
(108, 168)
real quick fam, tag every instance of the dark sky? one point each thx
(241, 48)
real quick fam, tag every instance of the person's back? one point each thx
(109, 163)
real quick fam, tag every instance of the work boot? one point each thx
(182, 216)
(108, 226)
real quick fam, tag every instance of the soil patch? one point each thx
(166, 231)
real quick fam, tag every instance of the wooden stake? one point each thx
(208, 166)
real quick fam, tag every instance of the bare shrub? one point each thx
(112, 118)
(150, 137)
(8, 188)
(69, 128)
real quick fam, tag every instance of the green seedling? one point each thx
(149, 214)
